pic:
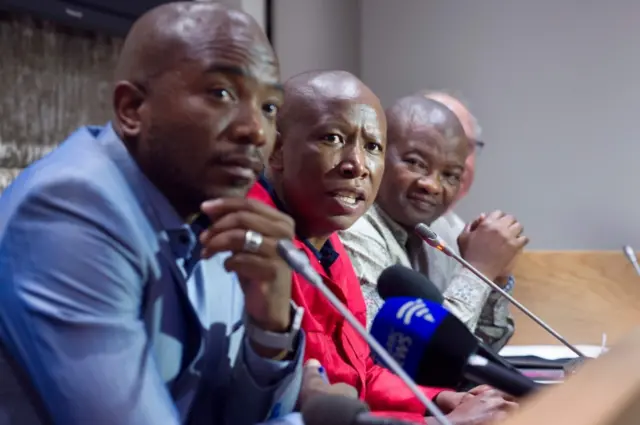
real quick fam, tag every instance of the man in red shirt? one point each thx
(325, 172)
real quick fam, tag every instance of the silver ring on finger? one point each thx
(252, 241)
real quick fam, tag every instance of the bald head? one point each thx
(413, 113)
(316, 91)
(333, 84)
(177, 32)
(468, 121)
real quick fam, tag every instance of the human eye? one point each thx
(220, 93)
(270, 109)
(333, 138)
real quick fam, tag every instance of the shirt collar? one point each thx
(327, 255)
(398, 232)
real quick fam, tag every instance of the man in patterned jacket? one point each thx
(425, 168)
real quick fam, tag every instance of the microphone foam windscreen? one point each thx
(430, 344)
(400, 281)
(424, 231)
(331, 409)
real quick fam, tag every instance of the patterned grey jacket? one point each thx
(376, 242)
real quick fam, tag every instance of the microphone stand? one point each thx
(631, 256)
(430, 237)
(299, 262)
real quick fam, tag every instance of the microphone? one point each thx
(400, 281)
(431, 238)
(631, 256)
(437, 349)
(329, 409)
(299, 263)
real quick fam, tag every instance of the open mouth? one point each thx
(348, 200)
(348, 197)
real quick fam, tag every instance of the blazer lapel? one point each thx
(172, 322)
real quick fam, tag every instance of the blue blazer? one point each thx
(106, 307)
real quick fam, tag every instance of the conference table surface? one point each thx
(580, 294)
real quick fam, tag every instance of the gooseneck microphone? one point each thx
(330, 409)
(631, 256)
(400, 281)
(431, 238)
(299, 262)
(436, 348)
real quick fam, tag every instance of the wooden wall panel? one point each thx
(581, 294)
(52, 80)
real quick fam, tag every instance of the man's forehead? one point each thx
(328, 99)
(327, 110)
(342, 104)
(335, 86)
(263, 69)
(422, 133)
(429, 136)
(212, 18)
(329, 86)
(319, 97)
(437, 148)
(424, 118)
(236, 57)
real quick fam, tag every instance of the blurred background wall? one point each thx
(554, 85)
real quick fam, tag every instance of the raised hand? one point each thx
(250, 230)
(492, 243)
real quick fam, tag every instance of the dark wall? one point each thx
(52, 80)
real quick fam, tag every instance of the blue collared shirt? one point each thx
(183, 239)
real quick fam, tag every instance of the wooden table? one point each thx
(580, 294)
(606, 391)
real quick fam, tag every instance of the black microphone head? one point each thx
(331, 409)
(400, 281)
(424, 231)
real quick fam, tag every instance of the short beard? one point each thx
(157, 162)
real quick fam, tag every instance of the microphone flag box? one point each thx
(400, 328)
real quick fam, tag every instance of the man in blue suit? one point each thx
(108, 314)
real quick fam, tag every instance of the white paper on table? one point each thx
(555, 352)
(551, 352)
